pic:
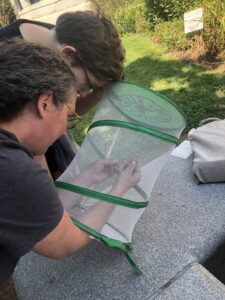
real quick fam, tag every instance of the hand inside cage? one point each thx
(128, 175)
(99, 171)
(97, 215)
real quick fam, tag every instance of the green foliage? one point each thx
(7, 14)
(214, 28)
(109, 6)
(131, 17)
(167, 10)
(128, 15)
(172, 34)
(125, 18)
(197, 92)
(209, 43)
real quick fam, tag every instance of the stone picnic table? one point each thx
(176, 237)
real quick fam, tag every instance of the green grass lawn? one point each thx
(199, 93)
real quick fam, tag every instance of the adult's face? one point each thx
(53, 125)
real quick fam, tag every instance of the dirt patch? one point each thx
(188, 55)
(218, 68)
(198, 58)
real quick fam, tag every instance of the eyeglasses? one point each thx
(73, 117)
(89, 88)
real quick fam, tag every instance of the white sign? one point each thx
(193, 20)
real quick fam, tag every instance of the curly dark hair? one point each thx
(28, 70)
(96, 40)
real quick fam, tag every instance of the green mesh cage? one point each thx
(132, 123)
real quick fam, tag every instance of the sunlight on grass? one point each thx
(198, 93)
(186, 69)
(138, 46)
(220, 94)
(172, 83)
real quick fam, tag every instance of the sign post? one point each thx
(193, 20)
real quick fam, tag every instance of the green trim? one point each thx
(136, 127)
(157, 93)
(125, 247)
(99, 196)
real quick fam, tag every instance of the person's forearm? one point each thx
(63, 240)
(96, 216)
(70, 199)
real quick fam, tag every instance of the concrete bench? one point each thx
(193, 282)
(182, 227)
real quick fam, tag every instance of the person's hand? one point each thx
(99, 171)
(102, 169)
(129, 177)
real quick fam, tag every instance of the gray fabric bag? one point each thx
(208, 145)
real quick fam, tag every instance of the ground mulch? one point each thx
(197, 58)
(8, 292)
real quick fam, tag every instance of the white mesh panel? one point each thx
(122, 145)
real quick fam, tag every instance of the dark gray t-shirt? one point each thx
(29, 204)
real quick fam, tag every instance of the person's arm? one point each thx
(62, 241)
(97, 215)
(99, 171)
(66, 238)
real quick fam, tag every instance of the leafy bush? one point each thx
(125, 18)
(128, 15)
(167, 10)
(7, 14)
(141, 22)
(108, 6)
(131, 17)
(172, 34)
(214, 28)
(145, 15)
(210, 42)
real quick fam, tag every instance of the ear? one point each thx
(67, 53)
(44, 102)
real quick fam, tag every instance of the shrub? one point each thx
(125, 18)
(128, 15)
(7, 14)
(167, 10)
(210, 42)
(214, 28)
(131, 17)
(171, 34)
(141, 22)
(108, 6)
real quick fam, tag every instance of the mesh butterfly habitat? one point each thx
(107, 186)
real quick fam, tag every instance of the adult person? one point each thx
(90, 45)
(37, 92)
